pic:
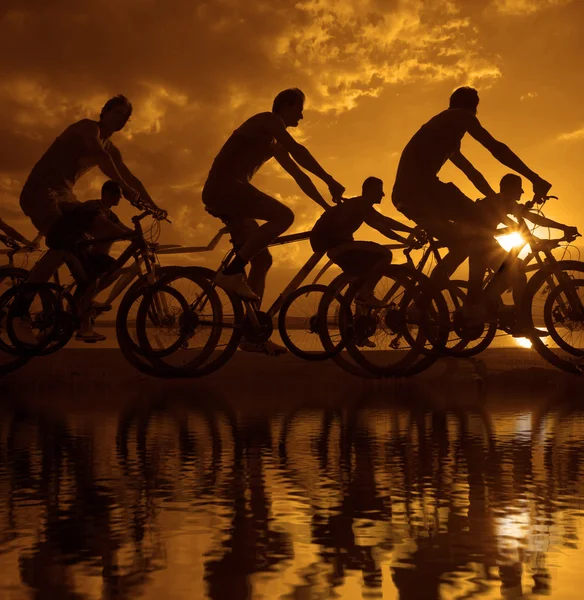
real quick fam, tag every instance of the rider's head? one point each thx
(466, 98)
(111, 193)
(511, 187)
(372, 189)
(116, 112)
(289, 105)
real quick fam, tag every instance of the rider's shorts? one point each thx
(230, 197)
(71, 226)
(440, 208)
(44, 207)
(356, 258)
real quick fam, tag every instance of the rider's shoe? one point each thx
(24, 332)
(237, 284)
(270, 348)
(90, 337)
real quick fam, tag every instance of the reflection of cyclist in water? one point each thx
(441, 208)
(253, 545)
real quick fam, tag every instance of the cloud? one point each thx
(572, 136)
(528, 96)
(527, 7)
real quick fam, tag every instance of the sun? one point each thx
(511, 240)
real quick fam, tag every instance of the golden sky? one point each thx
(373, 71)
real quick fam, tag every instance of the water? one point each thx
(411, 493)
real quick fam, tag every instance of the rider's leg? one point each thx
(257, 205)
(241, 230)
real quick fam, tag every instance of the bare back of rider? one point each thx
(333, 233)
(418, 192)
(48, 191)
(334, 230)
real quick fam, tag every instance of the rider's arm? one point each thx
(116, 221)
(475, 177)
(301, 178)
(14, 234)
(128, 176)
(387, 226)
(506, 156)
(301, 154)
(90, 133)
(540, 219)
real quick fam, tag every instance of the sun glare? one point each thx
(523, 342)
(511, 240)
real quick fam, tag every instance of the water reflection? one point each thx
(396, 493)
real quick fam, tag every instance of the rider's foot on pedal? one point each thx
(237, 284)
(90, 336)
(369, 300)
(24, 332)
(270, 348)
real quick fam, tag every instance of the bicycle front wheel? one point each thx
(559, 288)
(298, 323)
(176, 336)
(406, 334)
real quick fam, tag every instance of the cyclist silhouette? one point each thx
(441, 208)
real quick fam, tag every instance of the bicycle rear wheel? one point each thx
(333, 304)
(49, 312)
(298, 323)
(232, 314)
(409, 332)
(9, 278)
(176, 336)
(455, 293)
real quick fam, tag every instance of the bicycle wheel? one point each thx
(231, 310)
(9, 278)
(565, 326)
(331, 307)
(558, 286)
(48, 310)
(410, 303)
(298, 323)
(176, 336)
(455, 295)
(129, 334)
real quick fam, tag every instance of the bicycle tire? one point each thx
(60, 322)
(537, 282)
(417, 287)
(334, 348)
(461, 348)
(9, 362)
(310, 323)
(232, 318)
(549, 320)
(159, 360)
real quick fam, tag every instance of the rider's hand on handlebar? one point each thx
(571, 233)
